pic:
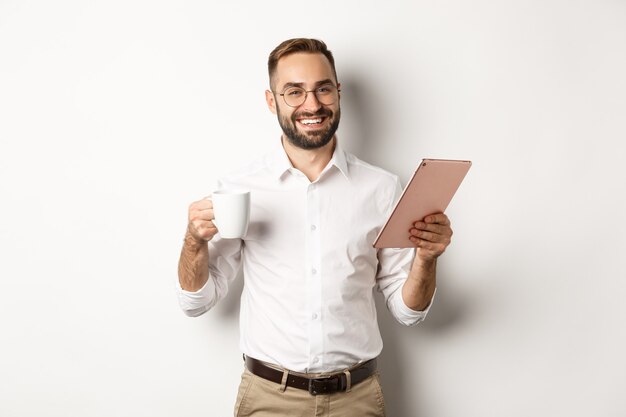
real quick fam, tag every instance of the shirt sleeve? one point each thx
(394, 266)
(224, 264)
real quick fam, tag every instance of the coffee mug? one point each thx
(232, 212)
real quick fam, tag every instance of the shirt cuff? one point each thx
(407, 315)
(195, 303)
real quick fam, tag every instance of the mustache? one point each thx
(320, 113)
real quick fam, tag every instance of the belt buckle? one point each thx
(313, 390)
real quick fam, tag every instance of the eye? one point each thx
(294, 92)
(325, 89)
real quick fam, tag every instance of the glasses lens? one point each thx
(326, 94)
(294, 96)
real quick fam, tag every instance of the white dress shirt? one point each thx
(308, 262)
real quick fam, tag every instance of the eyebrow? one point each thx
(301, 85)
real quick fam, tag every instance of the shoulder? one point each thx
(365, 171)
(382, 185)
(258, 168)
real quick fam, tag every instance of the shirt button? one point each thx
(314, 271)
(313, 227)
(316, 359)
(314, 316)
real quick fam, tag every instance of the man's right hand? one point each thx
(201, 226)
(193, 267)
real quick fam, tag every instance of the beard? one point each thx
(309, 140)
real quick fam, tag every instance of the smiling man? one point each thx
(307, 124)
(308, 326)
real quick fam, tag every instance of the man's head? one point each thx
(304, 92)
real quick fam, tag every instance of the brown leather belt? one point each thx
(324, 385)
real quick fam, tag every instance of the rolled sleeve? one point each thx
(393, 271)
(224, 264)
(405, 314)
(199, 302)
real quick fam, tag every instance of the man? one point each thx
(308, 323)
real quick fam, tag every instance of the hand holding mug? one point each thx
(201, 216)
(230, 207)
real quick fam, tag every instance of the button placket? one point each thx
(315, 283)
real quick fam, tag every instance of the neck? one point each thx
(311, 162)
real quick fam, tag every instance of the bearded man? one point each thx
(308, 326)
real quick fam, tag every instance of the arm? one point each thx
(193, 266)
(431, 237)
(207, 263)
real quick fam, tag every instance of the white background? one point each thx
(115, 115)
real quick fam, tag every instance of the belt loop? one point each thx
(348, 380)
(283, 383)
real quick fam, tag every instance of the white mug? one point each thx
(232, 212)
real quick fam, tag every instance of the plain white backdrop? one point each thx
(115, 115)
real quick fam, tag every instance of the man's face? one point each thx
(312, 124)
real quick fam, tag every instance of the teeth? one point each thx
(310, 121)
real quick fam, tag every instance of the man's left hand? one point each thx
(431, 236)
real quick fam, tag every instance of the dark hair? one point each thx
(292, 46)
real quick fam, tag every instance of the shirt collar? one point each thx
(280, 162)
(339, 160)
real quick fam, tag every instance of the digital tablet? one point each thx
(430, 190)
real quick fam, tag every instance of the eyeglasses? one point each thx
(326, 94)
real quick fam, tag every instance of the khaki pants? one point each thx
(258, 397)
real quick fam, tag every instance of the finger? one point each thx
(430, 236)
(435, 248)
(433, 227)
(204, 224)
(206, 230)
(415, 240)
(208, 226)
(201, 205)
(439, 218)
(206, 203)
(199, 216)
(423, 244)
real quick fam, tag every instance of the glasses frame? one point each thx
(306, 94)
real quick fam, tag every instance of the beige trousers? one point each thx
(258, 397)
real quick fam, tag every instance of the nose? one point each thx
(310, 102)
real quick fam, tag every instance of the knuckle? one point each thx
(193, 206)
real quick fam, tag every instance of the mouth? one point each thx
(310, 123)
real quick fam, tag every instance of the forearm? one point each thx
(419, 288)
(193, 266)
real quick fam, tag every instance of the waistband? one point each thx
(327, 384)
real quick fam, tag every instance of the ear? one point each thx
(271, 102)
